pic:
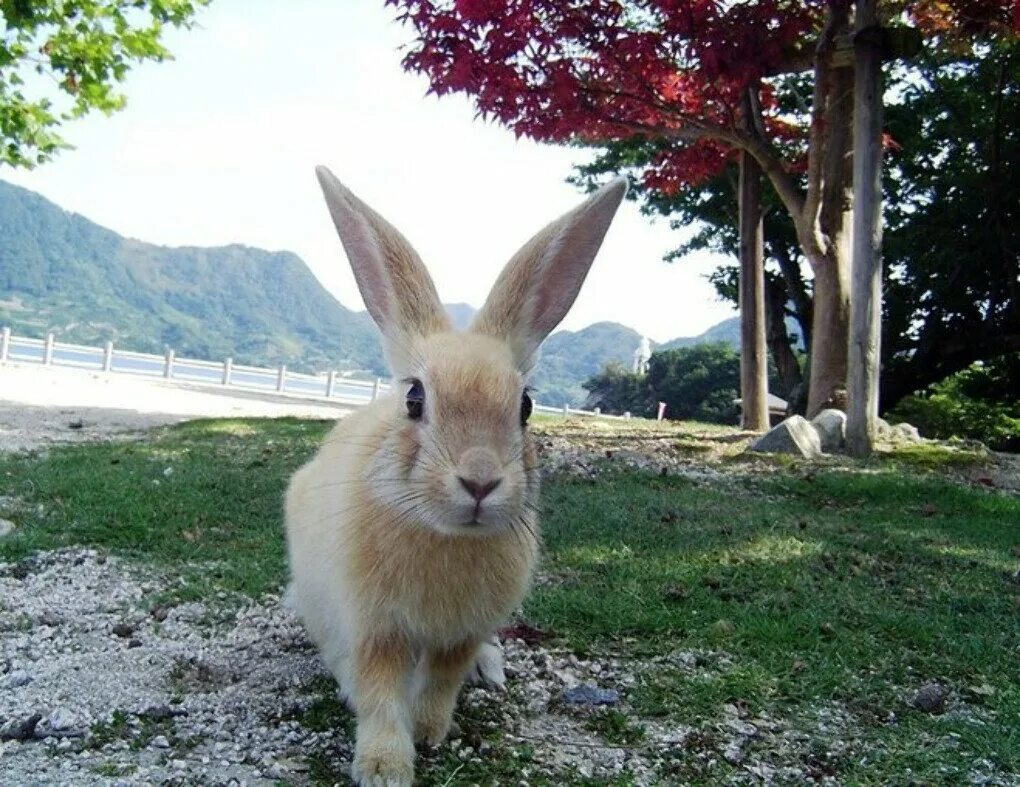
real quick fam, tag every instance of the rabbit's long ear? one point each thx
(397, 289)
(539, 285)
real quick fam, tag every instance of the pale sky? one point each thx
(219, 145)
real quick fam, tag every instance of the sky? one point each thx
(219, 145)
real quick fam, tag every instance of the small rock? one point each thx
(16, 679)
(590, 696)
(162, 712)
(160, 742)
(49, 618)
(20, 729)
(123, 630)
(675, 592)
(734, 754)
(61, 720)
(930, 698)
(6, 527)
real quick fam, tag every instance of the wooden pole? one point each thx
(281, 378)
(866, 267)
(330, 383)
(168, 363)
(108, 357)
(48, 349)
(228, 370)
(753, 359)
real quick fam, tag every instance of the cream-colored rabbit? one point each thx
(412, 533)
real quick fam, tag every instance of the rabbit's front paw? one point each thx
(432, 724)
(383, 764)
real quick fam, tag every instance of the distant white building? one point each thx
(641, 356)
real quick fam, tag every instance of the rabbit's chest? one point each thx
(448, 591)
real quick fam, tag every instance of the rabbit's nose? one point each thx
(479, 491)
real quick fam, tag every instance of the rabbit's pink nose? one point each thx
(478, 490)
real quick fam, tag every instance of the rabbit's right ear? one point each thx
(397, 289)
(539, 285)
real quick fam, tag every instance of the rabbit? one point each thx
(412, 534)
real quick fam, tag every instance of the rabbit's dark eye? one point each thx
(416, 400)
(526, 407)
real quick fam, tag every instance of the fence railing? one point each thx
(330, 386)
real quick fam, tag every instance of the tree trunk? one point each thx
(866, 300)
(778, 340)
(826, 386)
(753, 359)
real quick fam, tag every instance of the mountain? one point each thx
(61, 272)
(727, 331)
(571, 357)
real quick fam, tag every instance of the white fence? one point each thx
(331, 386)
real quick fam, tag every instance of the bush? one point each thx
(697, 383)
(982, 403)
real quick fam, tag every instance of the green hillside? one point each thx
(61, 272)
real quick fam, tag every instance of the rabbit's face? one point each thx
(461, 459)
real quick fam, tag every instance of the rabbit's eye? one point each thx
(416, 400)
(525, 408)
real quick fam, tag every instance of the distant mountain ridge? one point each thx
(61, 272)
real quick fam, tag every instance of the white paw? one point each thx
(383, 762)
(488, 667)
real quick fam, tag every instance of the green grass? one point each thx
(798, 592)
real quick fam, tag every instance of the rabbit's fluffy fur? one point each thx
(413, 534)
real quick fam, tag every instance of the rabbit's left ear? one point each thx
(397, 289)
(539, 285)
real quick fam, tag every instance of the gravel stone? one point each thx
(590, 696)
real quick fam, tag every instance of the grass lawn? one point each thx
(811, 594)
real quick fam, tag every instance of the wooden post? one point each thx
(108, 357)
(168, 363)
(5, 344)
(375, 388)
(330, 383)
(48, 349)
(566, 411)
(866, 267)
(228, 370)
(281, 378)
(753, 360)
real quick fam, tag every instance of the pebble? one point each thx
(160, 742)
(588, 695)
(20, 729)
(17, 679)
(61, 720)
(930, 698)
(6, 527)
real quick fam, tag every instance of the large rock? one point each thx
(898, 433)
(794, 436)
(831, 427)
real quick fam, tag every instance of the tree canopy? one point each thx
(62, 59)
(703, 80)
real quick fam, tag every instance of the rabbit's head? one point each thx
(455, 453)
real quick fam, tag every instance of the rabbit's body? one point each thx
(363, 563)
(412, 532)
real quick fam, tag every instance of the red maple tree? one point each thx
(684, 72)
